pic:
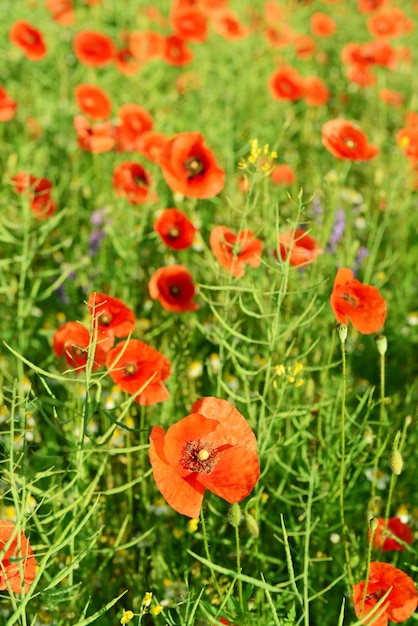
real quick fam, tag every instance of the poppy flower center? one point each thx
(197, 457)
(105, 318)
(174, 290)
(193, 166)
(173, 232)
(350, 143)
(77, 350)
(350, 299)
(130, 369)
(139, 180)
(376, 595)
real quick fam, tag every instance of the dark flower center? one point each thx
(105, 318)
(139, 180)
(376, 595)
(350, 299)
(198, 458)
(130, 369)
(193, 166)
(174, 290)
(78, 350)
(173, 232)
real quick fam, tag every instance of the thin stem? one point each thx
(207, 552)
(382, 414)
(236, 516)
(342, 331)
(373, 524)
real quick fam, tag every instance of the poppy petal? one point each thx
(184, 496)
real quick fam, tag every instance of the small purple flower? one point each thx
(361, 255)
(99, 220)
(338, 230)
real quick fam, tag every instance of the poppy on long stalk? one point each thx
(363, 305)
(140, 370)
(190, 167)
(400, 602)
(213, 448)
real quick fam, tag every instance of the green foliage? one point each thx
(75, 473)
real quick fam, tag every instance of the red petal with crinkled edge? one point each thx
(184, 496)
(362, 304)
(234, 476)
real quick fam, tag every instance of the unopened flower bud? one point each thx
(342, 330)
(234, 515)
(381, 344)
(373, 524)
(396, 462)
(252, 525)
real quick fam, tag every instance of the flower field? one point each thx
(209, 241)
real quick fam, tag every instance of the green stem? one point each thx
(382, 414)
(236, 516)
(342, 331)
(207, 552)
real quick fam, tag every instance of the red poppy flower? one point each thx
(407, 139)
(139, 369)
(213, 448)
(62, 11)
(368, 6)
(395, 528)
(362, 304)
(175, 229)
(346, 141)
(8, 106)
(304, 45)
(176, 52)
(391, 97)
(299, 246)
(133, 181)
(126, 63)
(38, 191)
(173, 287)
(133, 121)
(400, 603)
(92, 101)
(93, 49)
(283, 174)
(29, 39)
(360, 74)
(151, 145)
(72, 340)
(189, 23)
(17, 563)
(96, 138)
(390, 22)
(287, 84)
(190, 168)
(279, 37)
(377, 52)
(322, 25)
(235, 251)
(316, 92)
(146, 45)
(227, 25)
(112, 314)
